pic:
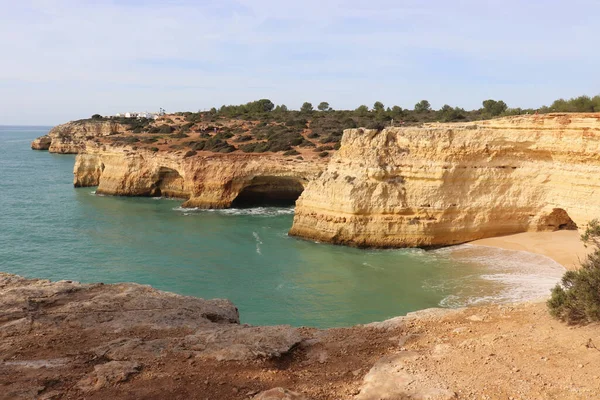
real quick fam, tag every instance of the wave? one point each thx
(257, 211)
(366, 264)
(258, 243)
(506, 276)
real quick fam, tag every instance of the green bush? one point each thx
(244, 138)
(161, 129)
(576, 300)
(154, 149)
(214, 144)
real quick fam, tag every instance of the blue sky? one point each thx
(68, 59)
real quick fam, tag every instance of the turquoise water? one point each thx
(48, 229)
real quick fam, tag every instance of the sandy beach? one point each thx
(564, 247)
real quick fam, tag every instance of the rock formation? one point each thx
(438, 184)
(207, 180)
(67, 340)
(204, 179)
(42, 143)
(443, 184)
(72, 137)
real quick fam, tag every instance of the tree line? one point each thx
(421, 112)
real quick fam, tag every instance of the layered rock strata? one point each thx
(443, 184)
(208, 180)
(72, 137)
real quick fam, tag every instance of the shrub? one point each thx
(161, 129)
(323, 154)
(376, 125)
(154, 149)
(292, 152)
(243, 138)
(576, 299)
(189, 153)
(306, 107)
(214, 144)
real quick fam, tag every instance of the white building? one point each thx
(149, 115)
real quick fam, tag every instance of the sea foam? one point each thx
(512, 276)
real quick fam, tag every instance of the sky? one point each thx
(68, 59)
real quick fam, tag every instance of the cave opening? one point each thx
(269, 191)
(558, 220)
(169, 184)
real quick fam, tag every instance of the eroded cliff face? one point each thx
(206, 180)
(444, 184)
(72, 137)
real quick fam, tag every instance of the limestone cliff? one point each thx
(72, 137)
(443, 184)
(206, 180)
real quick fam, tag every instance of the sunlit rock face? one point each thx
(206, 180)
(443, 184)
(72, 137)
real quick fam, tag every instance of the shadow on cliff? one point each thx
(269, 191)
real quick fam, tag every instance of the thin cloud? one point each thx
(68, 59)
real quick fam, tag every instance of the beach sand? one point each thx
(564, 247)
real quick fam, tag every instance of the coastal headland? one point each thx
(429, 185)
(443, 184)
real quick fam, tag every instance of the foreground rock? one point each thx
(444, 184)
(64, 340)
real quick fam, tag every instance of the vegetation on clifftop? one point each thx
(577, 299)
(261, 126)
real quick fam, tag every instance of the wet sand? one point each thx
(564, 247)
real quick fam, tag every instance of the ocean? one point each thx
(49, 229)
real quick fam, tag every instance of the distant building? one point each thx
(149, 115)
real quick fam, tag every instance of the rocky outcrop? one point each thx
(443, 184)
(206, 180)
(72, 137)
(42, 143)
(70, 340)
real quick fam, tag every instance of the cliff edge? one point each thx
(72, 137)
(443, 184)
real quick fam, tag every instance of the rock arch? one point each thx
(269, 191)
